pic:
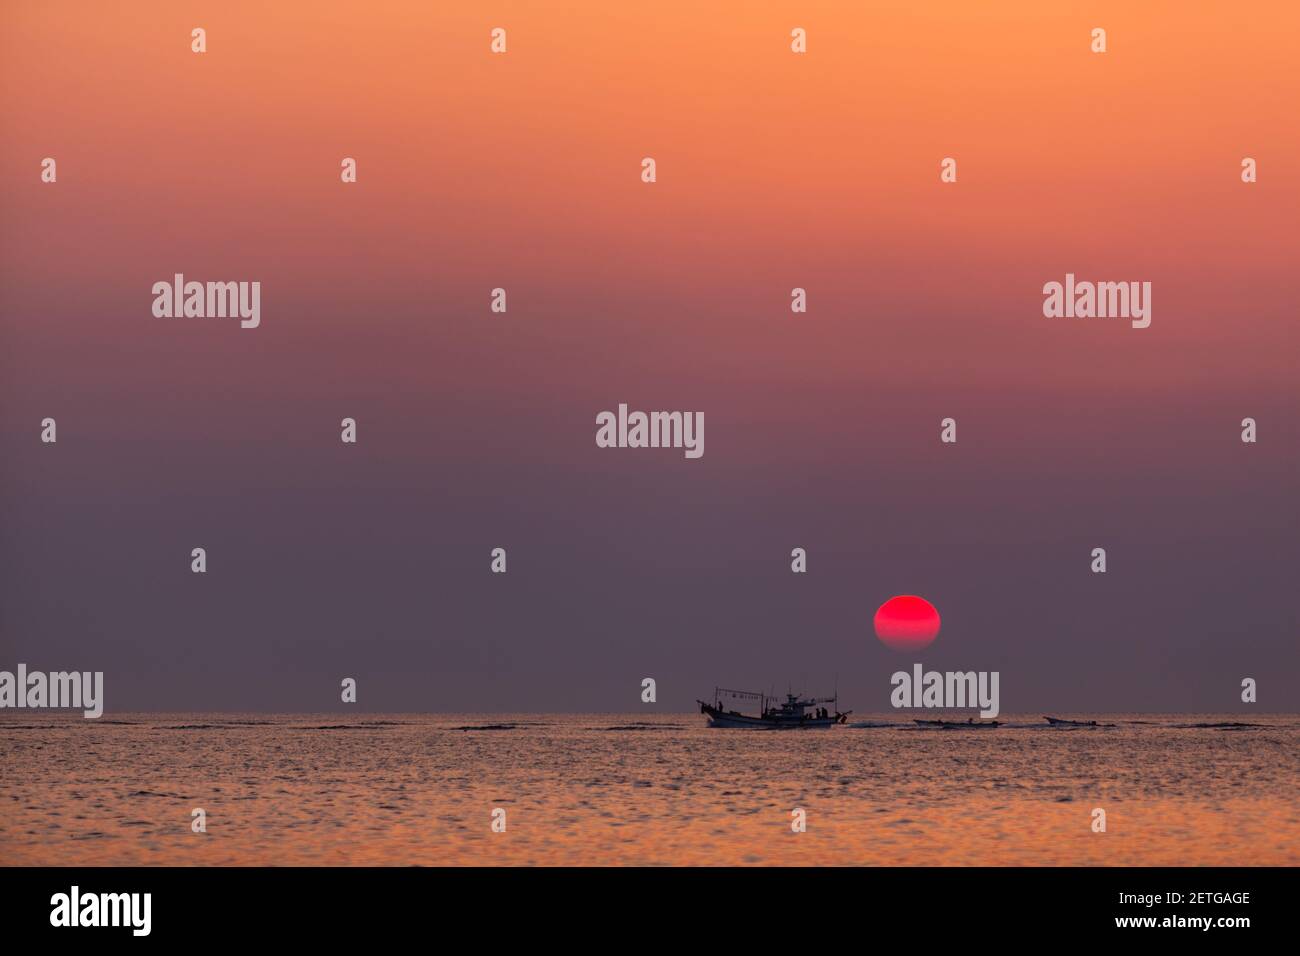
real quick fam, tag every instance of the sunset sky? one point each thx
(476, 430)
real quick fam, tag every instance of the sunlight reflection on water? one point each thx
(619, 788)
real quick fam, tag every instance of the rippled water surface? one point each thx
(620, 788)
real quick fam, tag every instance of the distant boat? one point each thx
(1061, 722)
(971, 724)
(790, 714)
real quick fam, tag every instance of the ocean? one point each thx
(615, 789)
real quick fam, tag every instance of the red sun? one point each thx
(907, 623)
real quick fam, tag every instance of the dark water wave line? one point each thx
(488, 727)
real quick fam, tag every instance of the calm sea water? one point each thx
(632, 789)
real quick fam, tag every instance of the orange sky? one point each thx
(824, 165)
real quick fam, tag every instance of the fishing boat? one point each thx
(971, 724)
(773, 714)
(1062, 722)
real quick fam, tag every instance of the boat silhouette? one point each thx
(773, 714)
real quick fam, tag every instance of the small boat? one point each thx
(971, 724)
(1061, 722)
(790, 714)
